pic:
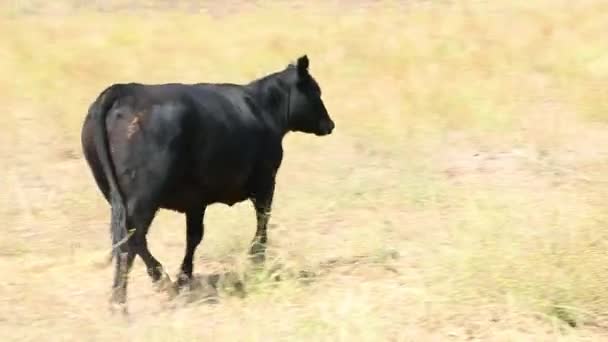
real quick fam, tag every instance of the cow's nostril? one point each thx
(325, 127)
(328, 126)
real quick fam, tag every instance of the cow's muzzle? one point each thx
(326, 127)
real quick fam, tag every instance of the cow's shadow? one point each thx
(206, 288)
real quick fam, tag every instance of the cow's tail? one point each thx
(98, 112)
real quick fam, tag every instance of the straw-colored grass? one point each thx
(462, 195)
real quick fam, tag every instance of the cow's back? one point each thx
(184, 144)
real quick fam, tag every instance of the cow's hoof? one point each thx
(118, 308)
(257, 258)
(164, 284)
(257, 253)
(183, 282)
(118, 300)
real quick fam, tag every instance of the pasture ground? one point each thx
(461, 197)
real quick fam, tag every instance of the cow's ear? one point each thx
(303, 65)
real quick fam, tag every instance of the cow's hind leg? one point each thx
(194, 234)
(141, 218)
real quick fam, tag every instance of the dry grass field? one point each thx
(462, 195)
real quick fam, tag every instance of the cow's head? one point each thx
(307, 112)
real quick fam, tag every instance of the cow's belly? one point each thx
(227, 196)
(228, 188)
(191, 192)
(190, 198)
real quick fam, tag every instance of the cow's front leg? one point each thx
(194, 235)
(262, 202)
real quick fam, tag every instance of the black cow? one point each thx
(186, 146)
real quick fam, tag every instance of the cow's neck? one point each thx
(273, 95)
